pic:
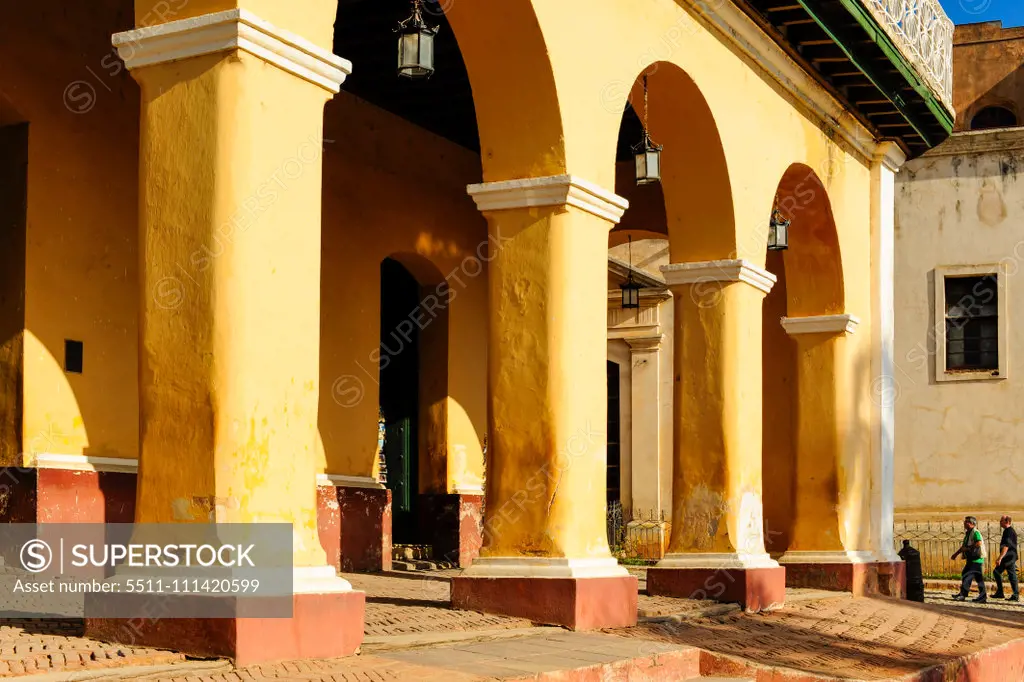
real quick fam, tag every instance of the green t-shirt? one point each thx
(971, 537)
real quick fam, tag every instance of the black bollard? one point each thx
(915, 581)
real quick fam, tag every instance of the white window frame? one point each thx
(947, 271)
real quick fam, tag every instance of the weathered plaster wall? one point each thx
(958, 445)
(58, 72)
(987, 61)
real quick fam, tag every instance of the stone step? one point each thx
(412, 552)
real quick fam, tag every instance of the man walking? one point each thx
(974, 560)
(1007, 561)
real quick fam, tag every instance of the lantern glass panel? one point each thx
(653, 164)
(426, 59)
(630, 295)
(778, 235)
(782, 235)
(641, 167)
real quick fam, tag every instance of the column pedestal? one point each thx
(327, 622)
(856, 572)
(755, 583)
(579, 594)
(453, 526)
(365, 516)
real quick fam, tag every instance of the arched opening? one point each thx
(399, 395)
(13, 232)
(692, 205)
(799, 370)
(778, 430)
(413, 394)
(994, 117)
(687, 216)
(398, 158)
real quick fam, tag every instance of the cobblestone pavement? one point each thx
(35, 646)
(845, 638)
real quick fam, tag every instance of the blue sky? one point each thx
(971, 11)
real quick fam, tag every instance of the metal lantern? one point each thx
(778, 232)
(630, 293)
(648, 161)
(416, 45)
(630, 289)
(647, 154)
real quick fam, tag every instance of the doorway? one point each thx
(399, 394)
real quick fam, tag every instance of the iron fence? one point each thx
(636, 536)
(937, 540)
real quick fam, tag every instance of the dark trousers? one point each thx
(973, 571)
(1008, 566)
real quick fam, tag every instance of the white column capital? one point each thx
(890, 155)
(644, 344)
(234, 29)
(703, 272)
(820, 324)
(553, 190)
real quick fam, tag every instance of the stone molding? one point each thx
(680, 274)
(235, 29)
(318, 580)
(468, 490)
(715, 560)
(49, 460)
(644, 344)
(820, 324)
(833, 557)
(339, 481)
(973, 142)
(890, 155)
(542, 567)
(553, 190)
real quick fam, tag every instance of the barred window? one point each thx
(972, 323)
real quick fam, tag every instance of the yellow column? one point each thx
(230, 165)
(717, 519)
(822, 412)
(546, 469)
(548, 420)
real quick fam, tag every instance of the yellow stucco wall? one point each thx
(958, 444)
(82, 251)
(81, 258)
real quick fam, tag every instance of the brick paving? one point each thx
(834, 636)
(403, 606)
(845, 638)
(33, 646)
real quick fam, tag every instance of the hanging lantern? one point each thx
(630, 293)
(646, 153)
(630, 289)
(778, 232)
(416, 45)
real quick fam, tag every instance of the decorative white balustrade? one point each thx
(921, 30)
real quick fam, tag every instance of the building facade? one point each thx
(238, 240)
(958, 249)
